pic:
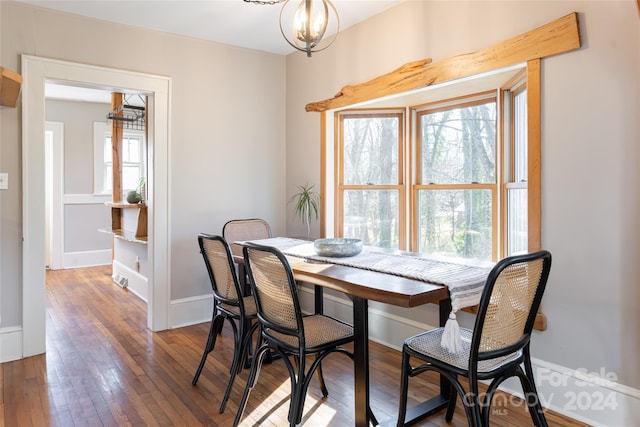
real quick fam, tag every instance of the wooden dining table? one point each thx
(362, 286)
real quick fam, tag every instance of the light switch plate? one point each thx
(4, 181)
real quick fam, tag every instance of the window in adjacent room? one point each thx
(133, 168)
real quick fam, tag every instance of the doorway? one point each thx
(36, 71)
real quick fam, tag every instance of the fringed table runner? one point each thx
(465, 281)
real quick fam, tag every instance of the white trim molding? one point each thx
(595, 398)
(10, 344)
(86, 258)
(36, 71)
(136, 282)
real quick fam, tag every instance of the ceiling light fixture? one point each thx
(309, 22)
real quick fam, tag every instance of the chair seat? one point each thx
(318, 331)
(428, 344)
(249, 307)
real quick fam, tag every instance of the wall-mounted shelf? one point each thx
(122, 227)
(125, 235)
(10, 83)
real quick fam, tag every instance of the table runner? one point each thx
(464, 279)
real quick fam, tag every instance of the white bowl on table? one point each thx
(337, 247)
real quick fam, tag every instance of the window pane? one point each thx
(458, 145)
(107, 150)
(372, 215)
(130, 176)
(107, 178)
(517, 221)
(131, 149)
(370, 150)
(520, 136)
(455, 223)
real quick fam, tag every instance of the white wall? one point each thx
(590, 135)
(226, 134)
(83, 214)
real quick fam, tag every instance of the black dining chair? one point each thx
(285, 330)
(229, 304)
(497, 346)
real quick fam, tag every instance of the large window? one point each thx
(464, 191)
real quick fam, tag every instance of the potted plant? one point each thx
(136, 196)
(306, 205)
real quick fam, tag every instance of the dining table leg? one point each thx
(361, 360)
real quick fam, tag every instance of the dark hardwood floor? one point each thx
(103, 367)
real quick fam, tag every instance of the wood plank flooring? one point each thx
(103, 367)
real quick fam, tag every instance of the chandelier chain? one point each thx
(264, 2)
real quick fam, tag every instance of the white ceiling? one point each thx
(233, 22)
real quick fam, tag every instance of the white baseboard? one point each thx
(10, 344)
(594, 398)
(136, 282)
(191, 311)
(86, 258)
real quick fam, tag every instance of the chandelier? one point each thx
(308, 22)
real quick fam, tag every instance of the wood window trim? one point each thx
(559, 36)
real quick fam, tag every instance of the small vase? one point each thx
(133, 197)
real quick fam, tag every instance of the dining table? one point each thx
(361, 286)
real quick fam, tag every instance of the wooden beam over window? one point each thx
(561, 35)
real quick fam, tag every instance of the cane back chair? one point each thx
(497, 346)
(284, 329)
(228, 303)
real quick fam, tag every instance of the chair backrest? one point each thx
(219, 261)
(509, 303)
(274, 289)
(245, 229)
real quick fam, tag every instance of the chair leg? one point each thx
(453, 397)
(251, 381)
(532, 398)
(323, 385)
(238, 354)
(488, 397)
(404, 388)
(216, 325)
(471, 403)
(298, 393)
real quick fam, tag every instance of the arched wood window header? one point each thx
(561, 35)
